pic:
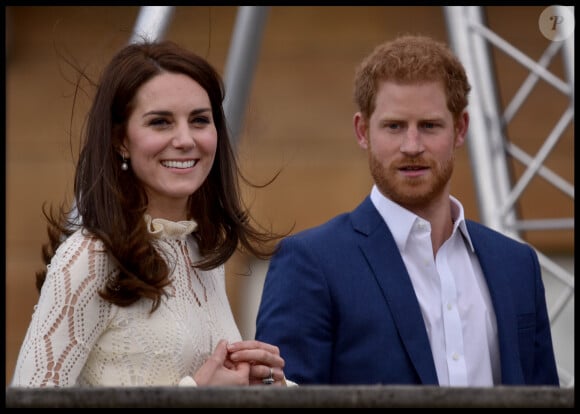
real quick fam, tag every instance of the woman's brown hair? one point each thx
(110, 203)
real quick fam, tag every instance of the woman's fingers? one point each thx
(253, 344)
(264, 360)
(220, 352)
(264, 355)
(260, 375)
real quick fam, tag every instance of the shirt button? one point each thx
(449, 306)
(455, 356)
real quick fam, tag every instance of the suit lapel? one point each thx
(380, 250)
(496, 273)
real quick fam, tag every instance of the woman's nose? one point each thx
(184, 136)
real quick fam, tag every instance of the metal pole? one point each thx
(152, 23)
(482, 151)
(241, 63)
(568, 57)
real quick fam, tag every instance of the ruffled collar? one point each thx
(160, 227)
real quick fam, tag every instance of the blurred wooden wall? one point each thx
(299, 117)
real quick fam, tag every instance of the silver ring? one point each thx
(269, 380)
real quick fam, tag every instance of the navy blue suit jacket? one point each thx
(339, 303)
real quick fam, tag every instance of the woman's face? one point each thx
(171, 142)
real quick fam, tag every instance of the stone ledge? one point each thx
(315, 396)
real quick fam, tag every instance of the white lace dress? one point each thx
(76, 338)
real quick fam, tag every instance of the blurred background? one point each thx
(297, 119)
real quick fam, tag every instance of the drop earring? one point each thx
(124, 164)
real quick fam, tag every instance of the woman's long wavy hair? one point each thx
(111, 203)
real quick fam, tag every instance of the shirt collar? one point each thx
(400, 220)
(163, 228)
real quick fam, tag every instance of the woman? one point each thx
(134, 291)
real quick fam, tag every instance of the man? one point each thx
(404, 289)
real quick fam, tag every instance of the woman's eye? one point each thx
(159, 122)
(203, 120)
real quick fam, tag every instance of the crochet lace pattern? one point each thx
(76, 338)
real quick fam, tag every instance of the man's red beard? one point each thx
(411, 192)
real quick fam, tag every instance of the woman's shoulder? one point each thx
(78, 242)
(82, 256)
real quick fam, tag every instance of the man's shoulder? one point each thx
(331, 226)
(481, 232)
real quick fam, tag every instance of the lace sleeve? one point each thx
(68, 318)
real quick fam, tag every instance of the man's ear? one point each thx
(361, 130)
(461, 127)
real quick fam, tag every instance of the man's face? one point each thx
(411, 140)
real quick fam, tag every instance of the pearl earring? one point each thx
(124, 165)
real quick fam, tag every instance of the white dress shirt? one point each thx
(452, 294)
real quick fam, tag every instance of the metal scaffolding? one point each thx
(490, 149)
